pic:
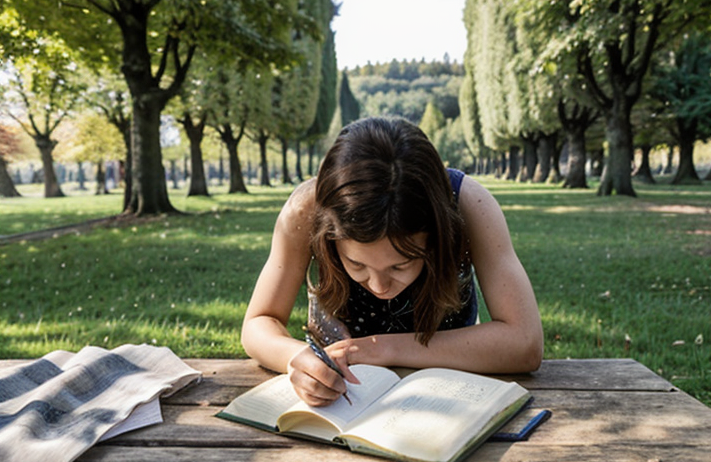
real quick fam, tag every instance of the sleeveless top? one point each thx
(369, 315)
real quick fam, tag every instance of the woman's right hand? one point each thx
(314, 382)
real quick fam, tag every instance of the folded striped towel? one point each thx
(58, 406)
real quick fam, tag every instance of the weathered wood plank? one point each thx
(222, 381)
(499, 452)
(226, 379)
(592, 374)
(618, 452)
(635, 418)
(579, 417)
(305, 452)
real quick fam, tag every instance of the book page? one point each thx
(432, 414)
(374, 382)
(263, 404)
(143, 415)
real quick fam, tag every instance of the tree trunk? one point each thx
(7, 187)
(312, 154)
(237, 184)
(127, 168)
(299, 173)
(81, 178)
(644, 172)
(101, 179)
(575, 137)
(513, 167)
(46, 145)
(529, 160)
(263, 164)
(544, 154)
(686, 173)
(617, 174)
(149, 193)
(554, 176)
(195, 132)
(286, 177)
(221, 171)
(597, 162)
(670, 160)
(174, 173)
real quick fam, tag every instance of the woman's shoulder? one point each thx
(477, 205)
(297, 214)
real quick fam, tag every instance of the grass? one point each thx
(614, 277)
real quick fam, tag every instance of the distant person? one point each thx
(395, 236)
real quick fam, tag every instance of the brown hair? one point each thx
(383, 178)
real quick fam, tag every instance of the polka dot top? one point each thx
(369, 315)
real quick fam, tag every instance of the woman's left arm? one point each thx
(513, 340)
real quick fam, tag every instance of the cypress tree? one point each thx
(350, 109)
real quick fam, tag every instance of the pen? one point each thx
(323, 356)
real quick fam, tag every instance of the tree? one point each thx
(432, 120)
(348, 104)
(326, 105)
(94, 139)
(42, 90)
(109, 95)
(614, 43)
(8, 145)
(682, 84)
(253, 30)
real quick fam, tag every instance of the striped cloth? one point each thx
(55, 408)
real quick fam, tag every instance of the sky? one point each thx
(380, 30)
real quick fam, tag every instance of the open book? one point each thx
(430, 415)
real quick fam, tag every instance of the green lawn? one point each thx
(614, 277)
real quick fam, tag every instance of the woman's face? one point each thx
(378, 267)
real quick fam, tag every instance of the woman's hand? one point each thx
(316, 383)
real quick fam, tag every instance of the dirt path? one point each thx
(77, 228)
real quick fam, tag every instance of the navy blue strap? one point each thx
(455, 179)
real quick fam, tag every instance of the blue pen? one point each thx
(323, 356)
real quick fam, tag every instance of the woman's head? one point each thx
(383, 179)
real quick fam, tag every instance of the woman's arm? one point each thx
(511, 342)
(264, 334)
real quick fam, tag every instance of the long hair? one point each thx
(382, 178)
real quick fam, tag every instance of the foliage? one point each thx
(410, 70)
(682, 83)
(326, 104)
(94, 139)
(349, 105)
(432, 120)
(9, 143)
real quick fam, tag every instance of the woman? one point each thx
(395, 235)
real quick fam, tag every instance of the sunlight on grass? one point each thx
(614, 277)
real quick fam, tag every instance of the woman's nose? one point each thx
(378, 283)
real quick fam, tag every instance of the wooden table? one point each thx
(607, 410)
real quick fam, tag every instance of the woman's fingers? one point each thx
(314, 382)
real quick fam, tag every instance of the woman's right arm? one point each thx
(264, 334)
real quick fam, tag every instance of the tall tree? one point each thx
(109, 95)
(614, 43)
(326, 105)
(41, 91)
(232, 90)
(8, 145)
(682, 84)
(432, 120)
(349, 106)
(254, 30)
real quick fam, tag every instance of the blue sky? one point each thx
(380, 30)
